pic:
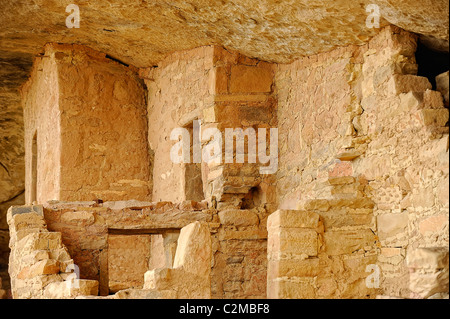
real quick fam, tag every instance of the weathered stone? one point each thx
(292, 241)
(250, 79)
(71, 289)
(43, 267)
(341, 180)
(348, 155)
(442, 85)
(433, 100)
(15, 210)
(293, 268)
(428, 258)
(238, 218)
(193, 253)
(292, 288)
(428, 284)
(128, 257)
(408, 83)
(361, 99)
(438, 117)
(293, 219)
(389, 225)
(433, 224)
(348, 241)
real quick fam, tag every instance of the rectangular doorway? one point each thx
(128, 260)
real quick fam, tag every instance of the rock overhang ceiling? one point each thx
(142, 32)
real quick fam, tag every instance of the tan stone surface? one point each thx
(39, 264)
(114, 107)
(190, 275)
(193, 253)
(383, 208)
(128, 260)
(442, 83)
(276, 31)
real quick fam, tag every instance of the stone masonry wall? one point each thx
(223, 89)
(42, 127)
(362, 113)
(178, 90)
(40, 265)
(406, 164)
(88, 116)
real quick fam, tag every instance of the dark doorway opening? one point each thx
(431, 63)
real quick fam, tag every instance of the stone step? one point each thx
(408, 83)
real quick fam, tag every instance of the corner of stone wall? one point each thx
(40, 265)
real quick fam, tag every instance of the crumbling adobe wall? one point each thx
(89, 116)
(362, 113)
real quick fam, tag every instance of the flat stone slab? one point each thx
(15, 210)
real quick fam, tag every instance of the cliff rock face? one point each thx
(143, 33)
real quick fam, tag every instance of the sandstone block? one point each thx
(292, 241)
(210, 114)
(43, 267)
(347, 241)
(428, 258)
(71, 289)
(433, 224)
(433, 100)
(238, 217)
(341, 180)
(427, 284)
(246, 233)
(437, 117)
(442, 85)
(336, 218)
(349, 155)
(411, 101)
(293, 219)
(408, 83)
(293, 268)
(27, 220)
(34, 257)
(221, 80)
(23, 233)
(389, 225)
(246, 79)
(40, 241)
(82, 218)
(193, 252)
(291, 288)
